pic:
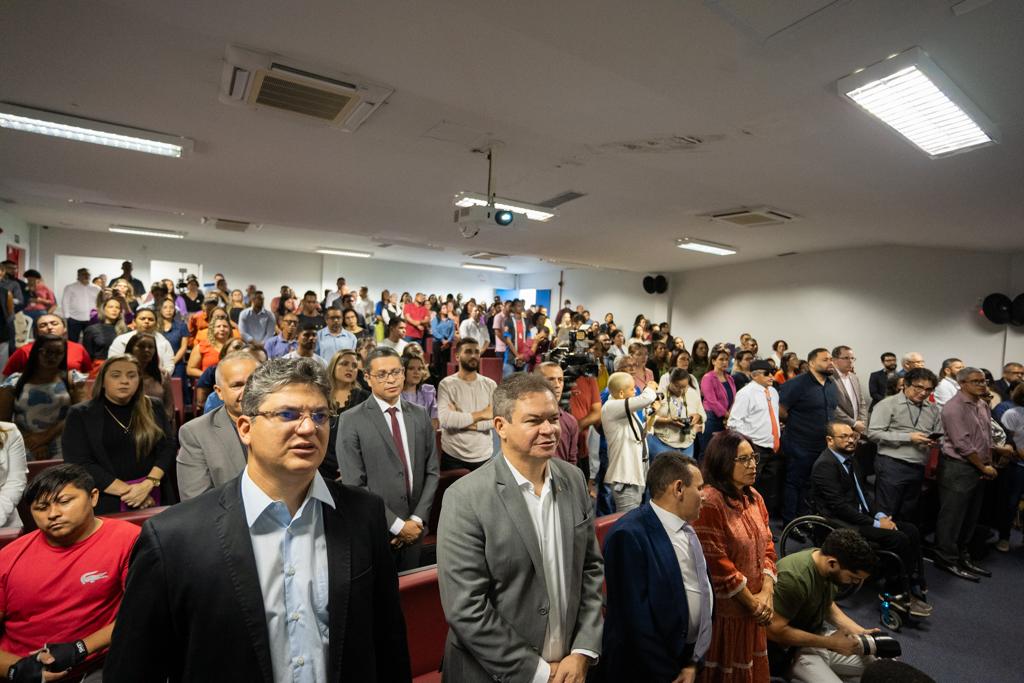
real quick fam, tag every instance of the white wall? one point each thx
(378, 274)
(874, 300)
(603, 291)
(17, 233)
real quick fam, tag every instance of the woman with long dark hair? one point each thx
(789, 368)
(699, 360)
(737, 542)
(156, 385)
(37, 400)
(718, 392)
(342, 374)
(122, 437)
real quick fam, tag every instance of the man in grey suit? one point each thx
(518, 564)
(387, 446)
(851, 406)
(209, 450)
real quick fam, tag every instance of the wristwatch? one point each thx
(155, 480)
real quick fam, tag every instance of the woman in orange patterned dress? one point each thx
(733, 530)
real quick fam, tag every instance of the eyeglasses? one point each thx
(748, 460)
(289, 322)
(295, 417)
(918, 387)
(847, 358)
(974, 381)
(388, 375)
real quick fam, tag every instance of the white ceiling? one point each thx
(560, 83)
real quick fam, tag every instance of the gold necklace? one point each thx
(127, 429)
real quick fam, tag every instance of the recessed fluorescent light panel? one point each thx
(56, 125)
(705, 247)
(146, 232)
(532, 211)
(909, 93)
(482, 266)
(345, 252)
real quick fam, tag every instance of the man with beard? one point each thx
(464, 411)
(879, 378)
(820, 638)
(806, 403)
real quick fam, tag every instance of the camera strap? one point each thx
(640, 437)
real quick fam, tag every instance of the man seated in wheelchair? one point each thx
(811, 638)
(838, 494)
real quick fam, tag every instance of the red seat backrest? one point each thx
(603, 525)
(425, 625)
(37, 466)
(491, 367)
(179, 399)
(136, 516)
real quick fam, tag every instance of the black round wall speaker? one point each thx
(1017, 310)
(996, 308)
(661, 284)
(649, 284)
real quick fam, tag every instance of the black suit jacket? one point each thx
(834, 494)
(1003, 388)
(193, 609)
(876, 386)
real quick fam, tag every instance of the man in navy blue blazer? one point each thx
(658, 620)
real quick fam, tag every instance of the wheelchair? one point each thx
(810, 531)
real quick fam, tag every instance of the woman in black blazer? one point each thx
(122, 437)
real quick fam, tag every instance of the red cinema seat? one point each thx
(446, 479)
(179, 399)
(428, 350)
(603, 525)
(453, 368)
(425, 625)
(491, 367)
(35, 467)
(136, 516)
(9, 535)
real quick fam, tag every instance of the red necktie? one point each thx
(396, 434)
(775, 422)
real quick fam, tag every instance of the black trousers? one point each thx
(905, 541)
(898, 485)
(75, 329)
(408, 556)
(449, 462)
(771, 475)
(960, 498)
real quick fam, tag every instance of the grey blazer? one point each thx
(844, 403)
(492, 581)
(367, 458)
(209, 453)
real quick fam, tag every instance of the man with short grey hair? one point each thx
(277, 575)
(519, 568)
(910, 361)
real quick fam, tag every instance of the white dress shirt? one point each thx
(946, 390)
(544, 515)
(847, 380)
(318, 359)
(78, 300)
(699, 596)
(749, 414)
(397, 525)
(471, 329)
(291, 563)
(164, 352)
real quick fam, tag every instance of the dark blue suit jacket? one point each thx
(647, 615)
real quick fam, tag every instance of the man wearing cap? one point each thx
(755, 415)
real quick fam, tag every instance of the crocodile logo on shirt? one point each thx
(92, 577)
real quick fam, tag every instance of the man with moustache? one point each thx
(464, 411)
(878, 379)
(807, 403)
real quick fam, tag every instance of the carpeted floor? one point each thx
(975, 634)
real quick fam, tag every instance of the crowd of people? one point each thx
(701, 448)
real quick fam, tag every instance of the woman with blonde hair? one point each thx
(121, 437)
(206, 352)
(342, 374)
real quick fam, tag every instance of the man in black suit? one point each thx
(1013, 373)
(277, 575)
(878, 379)
(387, 446)
(837, 493)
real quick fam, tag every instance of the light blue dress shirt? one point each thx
(291, 562)
(328, 344)
(256, 325)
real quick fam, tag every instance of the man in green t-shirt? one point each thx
(806, 618)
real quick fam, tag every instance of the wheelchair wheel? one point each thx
(891, 619)
(804, 532)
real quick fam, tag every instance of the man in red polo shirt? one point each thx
(61, 585)
(50, 323)
(417, 319)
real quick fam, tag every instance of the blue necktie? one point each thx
(704, 635)
(848, 464)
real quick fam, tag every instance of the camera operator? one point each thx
(626, 436)
(679, 418)
(820, 639)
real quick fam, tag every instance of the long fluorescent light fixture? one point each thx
(909, 93)
(345, 252)
(482, 266)
(57, 125)
(531, 211)
(705, 247)
(147, 232)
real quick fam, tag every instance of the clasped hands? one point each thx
(137, 495)
(762, 607)
(411, 531)
(49, 663)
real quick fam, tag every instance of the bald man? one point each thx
(626, 434)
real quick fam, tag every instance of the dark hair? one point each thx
(52, 481)
(719, 352)
(814, 353)
(693, 350)
(850, 550)
(513, 388)
(892, 384)
(32, 364)
(32, 272)
(719, 462)
(394, 322)
(153, 367)
(775, 344)
(838, 350)
(669, 467)
(678, 375)
(465, 340)
(380, 352)
(892, 671)
(915, 374)
(946, 364)
(307, 326)
(887, 354)
(1017, 395)
(742, 354)
(308, 292)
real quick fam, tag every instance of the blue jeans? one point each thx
(656, 447)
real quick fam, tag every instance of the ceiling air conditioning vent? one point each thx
(264, 80)
(753, 218)
(484, 255)
(226, 224)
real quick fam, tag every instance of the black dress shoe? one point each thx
(957, 571)
(975, 569)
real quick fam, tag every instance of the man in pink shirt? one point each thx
(499, 329)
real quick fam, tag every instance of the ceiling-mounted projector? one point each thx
(471, 218)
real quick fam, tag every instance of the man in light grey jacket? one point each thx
(519, 567)
(209, 450)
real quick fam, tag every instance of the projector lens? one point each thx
(503, 217)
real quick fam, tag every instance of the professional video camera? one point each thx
(885, 647)
(575, 363)
(183, 278)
